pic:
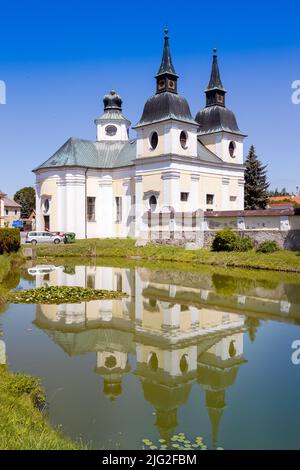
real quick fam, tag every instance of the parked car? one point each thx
(42, 269)
(42, 237)
(60, 234)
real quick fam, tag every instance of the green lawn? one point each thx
(283, 260)
(22, 425)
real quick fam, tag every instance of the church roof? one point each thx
(163, 106)
(114, 154)
(166, 66)
(112, 109)
(215, 81)
(206, 155)
(90, 154)
(112, 115)
(217, 119)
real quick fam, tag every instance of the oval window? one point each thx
(183, 139)
(111, 130)
(184, 365)
(153, 203)
(153, 140)
(232, 350)
(46, 205)
(231, 149)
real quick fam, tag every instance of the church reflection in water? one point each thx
(175, 341)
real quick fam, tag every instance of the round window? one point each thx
(111, 130)
(110, 362)
(46, 205)
(153, 203)
(231, 149)
(153, 140)
(183, 139)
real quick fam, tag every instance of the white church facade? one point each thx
(104, 188)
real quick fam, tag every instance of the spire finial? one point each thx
(215, 78)
(166, 65)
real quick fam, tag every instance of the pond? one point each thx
(209, 353)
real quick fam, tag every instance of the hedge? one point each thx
(9, 240)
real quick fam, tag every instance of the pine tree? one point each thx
(256, 184)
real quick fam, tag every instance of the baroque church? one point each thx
(104, 188)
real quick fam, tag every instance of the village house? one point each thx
(2, 196)
(12, 211)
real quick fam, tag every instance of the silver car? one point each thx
(42, 237)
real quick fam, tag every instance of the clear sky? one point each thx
(58, 59)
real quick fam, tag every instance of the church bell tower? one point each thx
(112, 125)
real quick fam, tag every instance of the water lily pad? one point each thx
(61, 295)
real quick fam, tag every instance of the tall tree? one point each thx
(252, 325)
(26, 198)
(256, 184)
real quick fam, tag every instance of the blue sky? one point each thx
(58, 59)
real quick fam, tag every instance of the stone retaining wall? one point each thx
(198, 229)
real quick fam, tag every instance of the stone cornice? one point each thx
(168, 175)
(186, 160)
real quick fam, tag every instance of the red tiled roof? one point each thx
(288, 198)
(279, 205)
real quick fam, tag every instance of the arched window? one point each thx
(183, 139)
(153, 203)
(231, 149)
(153, 362)
(153, 140)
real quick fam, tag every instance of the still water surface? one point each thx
(205, 353)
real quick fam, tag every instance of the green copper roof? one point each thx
(206, 155)
(90, 154)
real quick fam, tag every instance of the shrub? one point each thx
(228, 240)
(9, 240)
(225, 240)
(244, 244)
(269, 246)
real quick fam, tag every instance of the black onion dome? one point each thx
(216, 119)
(112, 101)
(165, 106)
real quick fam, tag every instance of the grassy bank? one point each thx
(8, 264)
(22, 425)
(288, 261)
